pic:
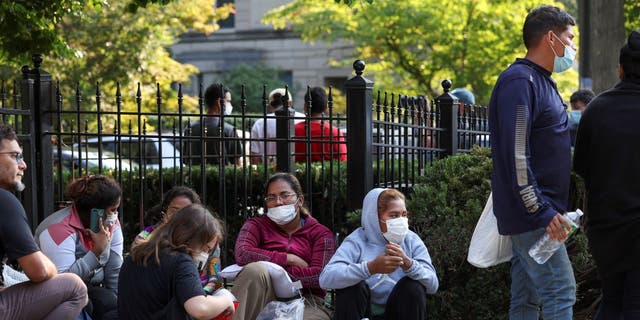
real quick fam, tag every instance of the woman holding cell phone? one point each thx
(86, 239)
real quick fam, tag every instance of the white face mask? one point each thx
(282, 214)
(201, 260)
(110, 220)
(397, 229)
(228, 108)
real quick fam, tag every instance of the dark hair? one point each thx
(276, 100)
(94, 191)
(154, 214)
(7, 133)
(318, 100)
(630, 56)
(542, 19)
(187, 231)
(582, 95)
(276, 95)
(214, 93)
(293, 183)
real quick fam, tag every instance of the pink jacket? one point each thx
(261, 239)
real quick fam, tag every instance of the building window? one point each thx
(229, 22)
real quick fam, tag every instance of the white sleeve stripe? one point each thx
(522, 115)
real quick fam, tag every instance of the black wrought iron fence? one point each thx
(390, 139)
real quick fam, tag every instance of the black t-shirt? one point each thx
(157, 292)
(192, 144)
(16, 239)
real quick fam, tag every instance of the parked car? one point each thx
(72, 160)
(144, 151)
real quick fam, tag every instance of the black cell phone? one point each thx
(96, 216)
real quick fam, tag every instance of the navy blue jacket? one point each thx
(530, 147)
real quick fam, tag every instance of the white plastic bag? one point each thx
(283, 286)
(280, 310)
(12, 276)
(488, 248)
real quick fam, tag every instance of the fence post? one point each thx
(359, 136)
(38, 97)
(448, 106)
(284, 131)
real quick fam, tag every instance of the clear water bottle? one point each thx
(545, 247)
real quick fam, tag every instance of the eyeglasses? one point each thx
(16, 155)
(284, 197)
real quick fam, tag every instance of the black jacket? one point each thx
(607, 156)
(193, 143)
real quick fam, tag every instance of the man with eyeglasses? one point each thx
(46, 295)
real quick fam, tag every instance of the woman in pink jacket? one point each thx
(288, 236)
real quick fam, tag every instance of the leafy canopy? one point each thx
(631, 15)
(118, 45)
(412, 45)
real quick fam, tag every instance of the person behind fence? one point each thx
(333, 145)
(46, 294)
(258, 137)
(159, 280)
(531, 155)
(287, 235)
(175, 199)
(86, 239)
(579, 101)
(194, 143)
(606, 155)
(382, 270)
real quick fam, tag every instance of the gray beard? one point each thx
(18, 186)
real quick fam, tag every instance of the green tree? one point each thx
(412, 45)
(118, 45)
(253, 78)
(29, 26)
(631, 15)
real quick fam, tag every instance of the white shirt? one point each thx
(257, 134)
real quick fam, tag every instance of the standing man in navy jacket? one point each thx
(530, 147)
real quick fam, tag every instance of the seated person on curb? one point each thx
(287, 235)
(159, 280)
(382, 270)
(175, 199)
(47, 294)
(333, 145)
(258, 136)
(94, 255)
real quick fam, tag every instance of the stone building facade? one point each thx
(244, 39)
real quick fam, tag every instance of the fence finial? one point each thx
(358, 66)
(37, 60)
(446, 85)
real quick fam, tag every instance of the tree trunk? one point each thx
(602, 24)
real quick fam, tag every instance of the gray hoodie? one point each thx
(348, 266)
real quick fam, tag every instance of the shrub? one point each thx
(445, 207)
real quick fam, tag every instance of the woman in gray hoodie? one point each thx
(382, 270)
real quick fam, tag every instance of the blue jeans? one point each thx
(550, 285)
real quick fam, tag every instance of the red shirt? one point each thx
(320, 131)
